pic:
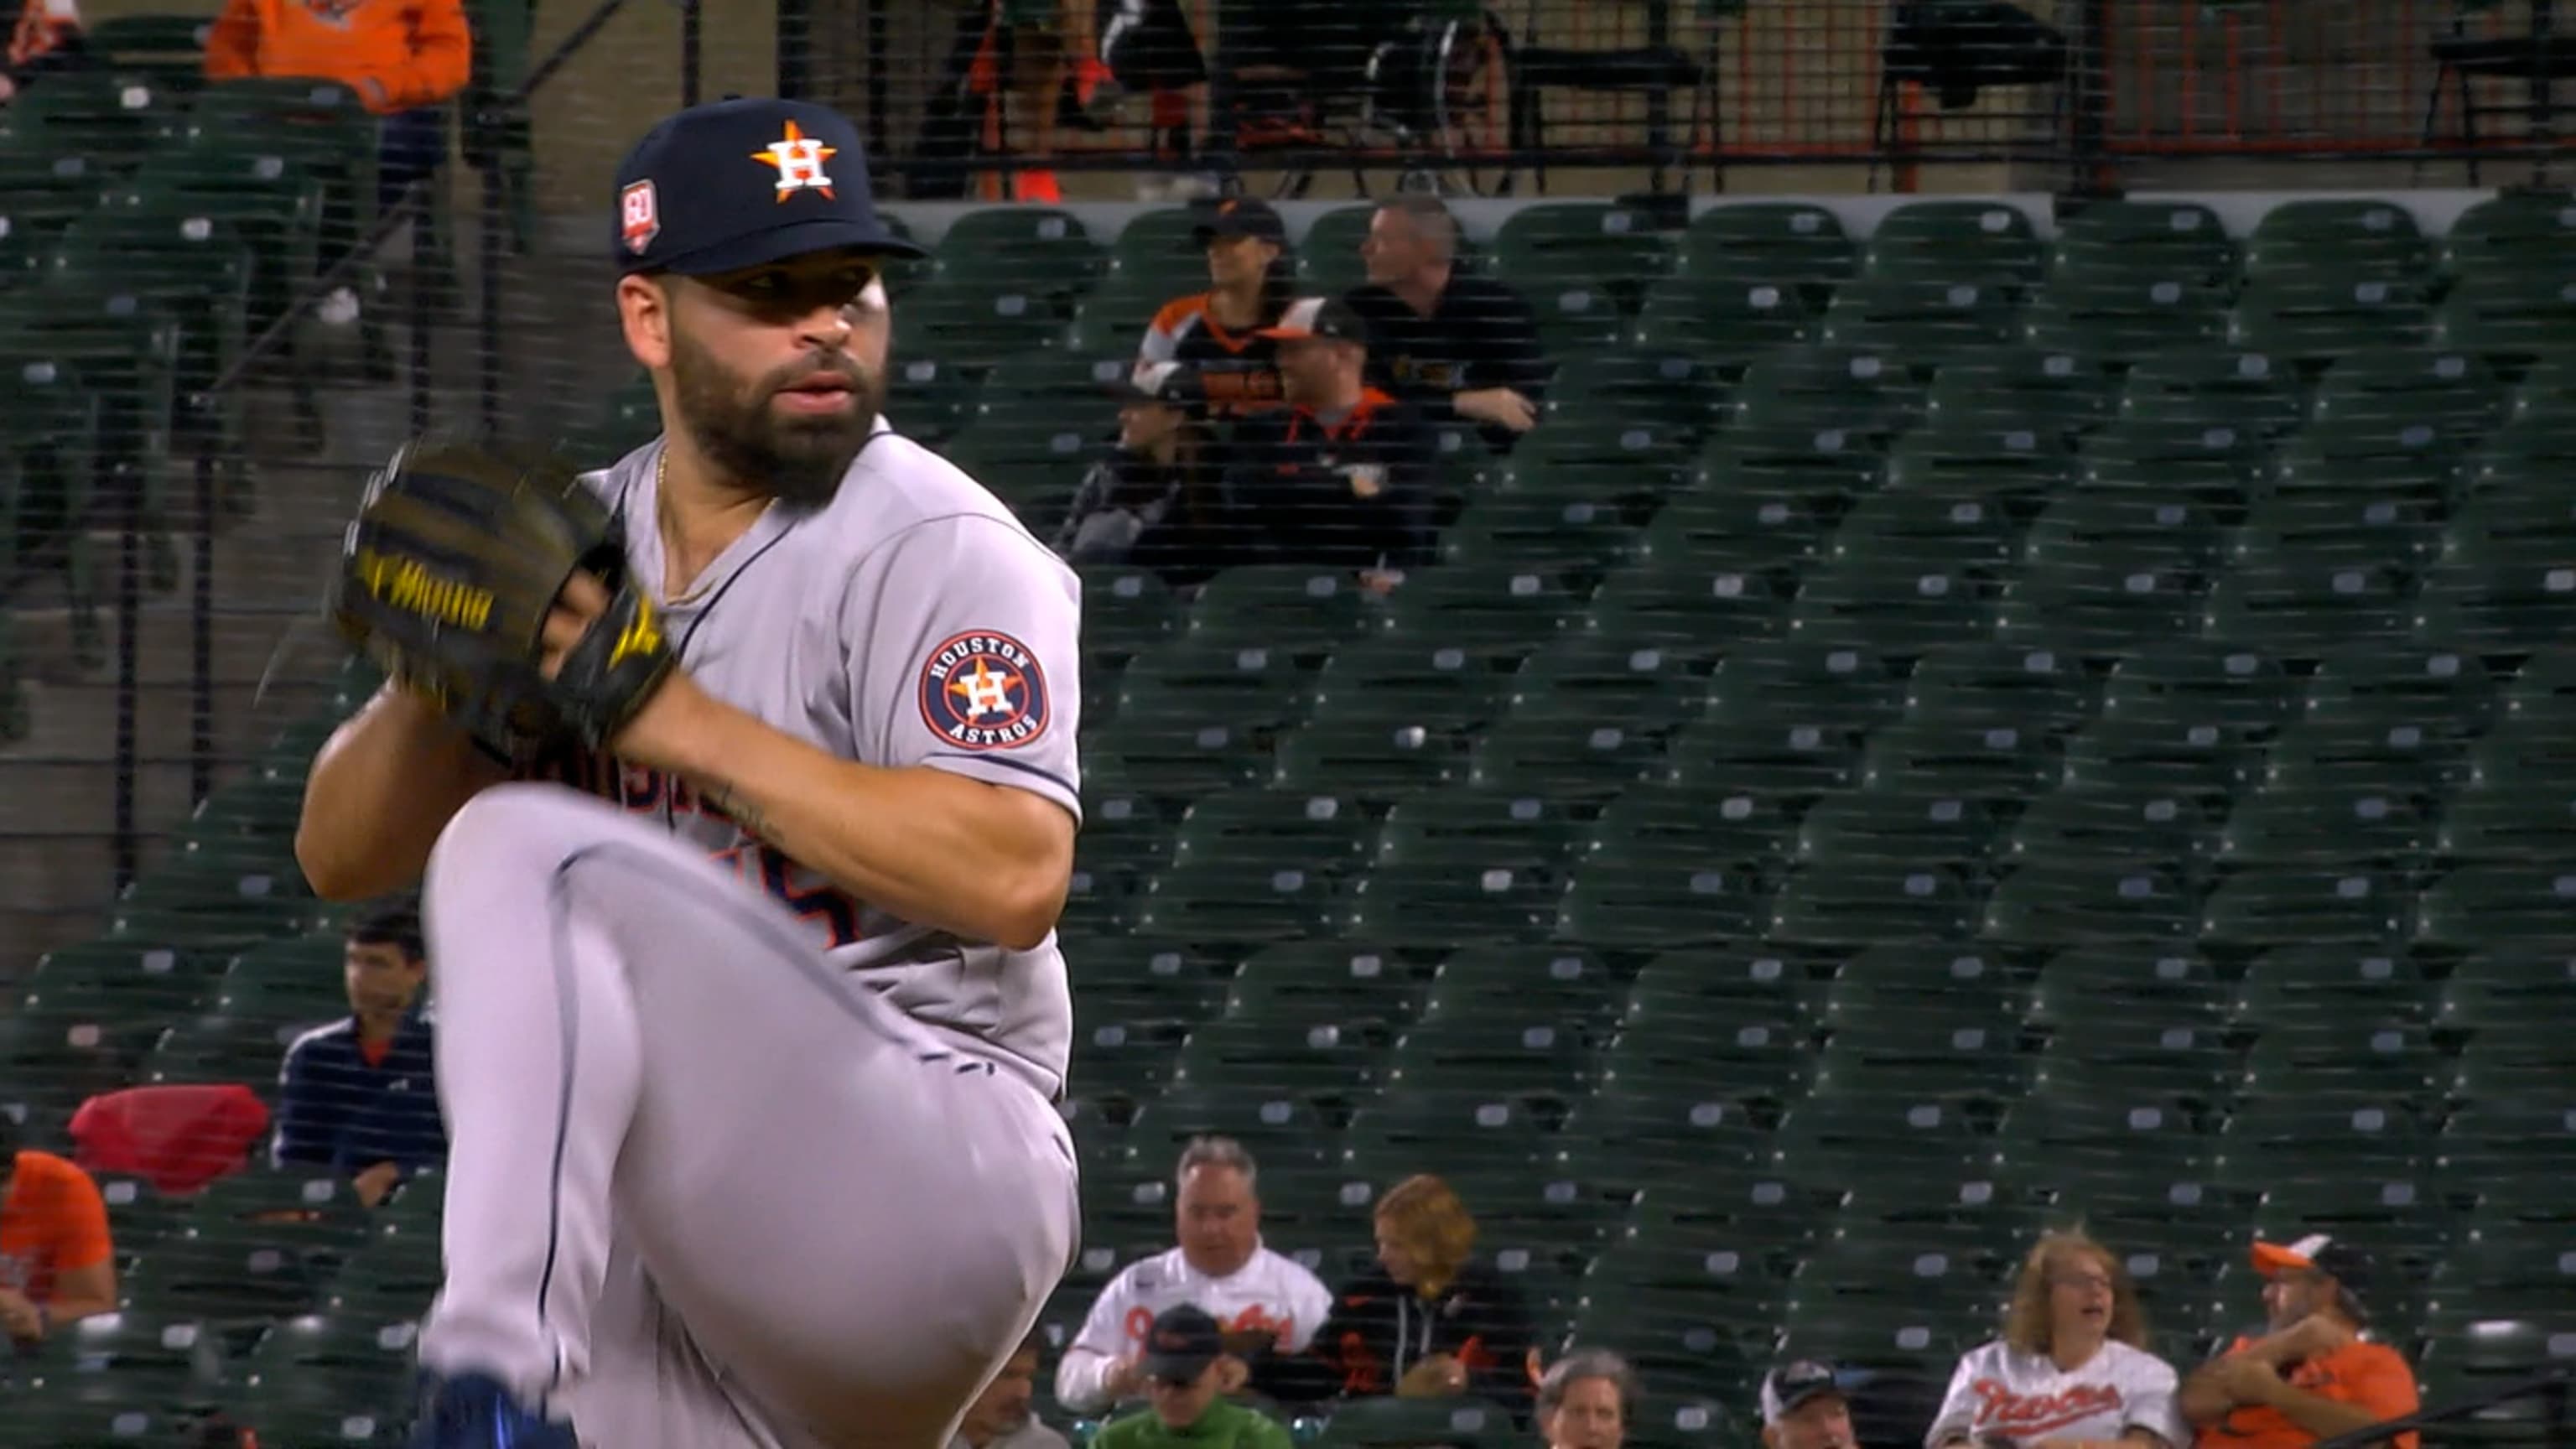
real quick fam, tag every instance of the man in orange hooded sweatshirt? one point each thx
(405, 58)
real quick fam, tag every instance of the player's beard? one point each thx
(800, 460)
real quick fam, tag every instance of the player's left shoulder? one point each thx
(900, 492)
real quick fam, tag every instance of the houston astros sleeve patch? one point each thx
(984, 690)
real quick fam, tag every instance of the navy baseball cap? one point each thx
(1184, 1340)
(1243, 216)
(1329, 318)
(742, 182)
(1792, 1384)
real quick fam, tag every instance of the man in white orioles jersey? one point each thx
(748, 1045)
(2071, 1368)
(1264, 1302)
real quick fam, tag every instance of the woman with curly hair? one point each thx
(2071, 1371)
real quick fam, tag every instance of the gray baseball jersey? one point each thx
(740, 1162)
(913, 621)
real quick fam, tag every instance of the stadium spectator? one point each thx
(1188, 1375)
(2071, 1369)
(46, 37)
(357, 1096)
(1585, 1400)
(1430, 1321)
(1263, 1302)
(1051, 47)
(1218, 332)
(57, 1263)
(1158, 500)
(1454, 344)
(2315, 1372)
(1807, 1405)
(1341, 477)
(1000, 1418)
(405, 58)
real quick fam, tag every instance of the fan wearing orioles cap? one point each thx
(2316, 1372)
(751, 1012)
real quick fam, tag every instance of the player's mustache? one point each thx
(836, 366)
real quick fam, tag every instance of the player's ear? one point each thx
(644, 310)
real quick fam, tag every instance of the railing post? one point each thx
(488, 343)
(427, 248)
(692, 47)
(129, 626)
(201, 637)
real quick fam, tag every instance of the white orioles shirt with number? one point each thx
(1270, 1293)
(2026, 1397)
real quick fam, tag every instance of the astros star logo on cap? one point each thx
(799, 159)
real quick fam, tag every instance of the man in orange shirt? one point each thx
(2316, 1373)
(56, 1263)
(405, 59)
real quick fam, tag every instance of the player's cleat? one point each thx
(473, 1412)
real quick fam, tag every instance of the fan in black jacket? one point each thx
(1429, 1320)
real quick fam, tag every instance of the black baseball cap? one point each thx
(741, 182)
(2347, 1264)
(1243, 216)
(1170, 383)
(1797, 1382)
(1184, 1340)
(1330, 318)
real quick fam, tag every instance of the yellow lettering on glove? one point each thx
(407, 584)
(640, 636)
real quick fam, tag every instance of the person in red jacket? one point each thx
(405, 58)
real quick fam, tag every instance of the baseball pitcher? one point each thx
(748, 1040)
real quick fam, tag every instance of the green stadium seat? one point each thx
(1325, 1063)
(2114, 822)
(1679, 1073)
(1644, 894)
(2498, 1140)
(2099, 605)
(364, 1356)
(2407, 1231)
(1977, 1046)
(113, 117)
(163, 1361)
(2125, 317)
(2156, 1050)
(1981, 240)
(1596, 675)
(1871, 828)
(1267, 829)
(1799, 243)
(2292, 603)
(1674, 1335)
(1550, 519)
(2006, 461)
(2363, 1137)
(2324, 825)
(1048, 391)
(40, 195)
(1570, 241)
(1721, 322)
(1486, 609)
(1691, 603)
(2311, 319)
(1328, 254)
(2361, 1051)
(1126, 611)
(1111, 320)
(2001, 683)
(299, 1411)
(1927, 525)
(1843, 901)
(2340, 238)
(1668, 386)
(1235, 901)
(1922, 318)
(1768, 758)
(1723, 822)
(2183, 238)
(1640, 447)
(1501, 828)
(1813, 387)
(2068, 902)
(1162, 244)
(1464, 897)
(2483, 905)
(2451, 392)
(2199, 388)
(1940, 974)
(2018, 387)
(1019, 248)
(1572, 983)
(1371, 752)
(1292, 608)
(2401, 751)
(1842, 1137)
(52, 1058)
(1296, 983)
(1548, 752)
(1462, 1128)
(2095, 1150)
(1669, 1420)
(2199, 758)
(1830, 686)
(2501, 595)
(2297, 904)
(72, 1414)
(977, 322)
(1283, 1132)
(122, 346)
(2507, 231)
(1964, 757)
(1400, 679)
(2194, 683)
(2151, 975)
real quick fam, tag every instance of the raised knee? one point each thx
(510, 829)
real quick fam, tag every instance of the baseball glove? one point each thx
(446, 577)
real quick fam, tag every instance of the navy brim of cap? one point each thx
(777, 244)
